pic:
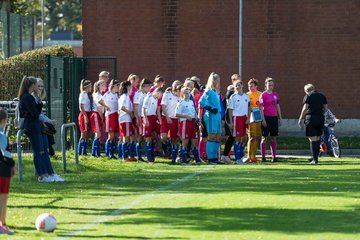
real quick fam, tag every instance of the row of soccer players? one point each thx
(175, 114)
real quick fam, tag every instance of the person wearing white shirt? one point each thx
(239, 110)
(150, 122)
(85, 102)
(186, 113)
(139, 96)
(169, 122)
(125, 122)
(110, 101)
(97, 116)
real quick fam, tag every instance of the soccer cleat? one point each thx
(226, 159)
(263, 159)
(274, 160)
(245, 159)
(6, 230)
(313, 162)
(239, 162)
(254, 160)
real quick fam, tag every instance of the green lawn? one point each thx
(108, 199)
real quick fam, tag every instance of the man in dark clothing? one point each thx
(312, 113)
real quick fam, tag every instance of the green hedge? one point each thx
(30, 63)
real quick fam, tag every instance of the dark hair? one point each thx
(84, 84)
(25, 85)
(253, 81)
(159, 78)
(124, 87)
(113, 83)
(3, 114)
(145, 81)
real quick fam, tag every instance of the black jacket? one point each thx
(30, 111)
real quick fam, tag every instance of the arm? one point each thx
(82, 110)
(102, 103)
(146, 121)
(279, 114)
(302, 115)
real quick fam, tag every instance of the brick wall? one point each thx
(294, 41)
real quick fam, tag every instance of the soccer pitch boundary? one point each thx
(134, 203)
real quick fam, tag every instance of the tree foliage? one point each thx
(59, 14)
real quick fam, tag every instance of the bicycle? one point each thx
(332, 140)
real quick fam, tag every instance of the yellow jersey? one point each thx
(254, 98)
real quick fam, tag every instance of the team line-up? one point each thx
(179, 116)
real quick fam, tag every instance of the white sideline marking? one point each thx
(137, 201)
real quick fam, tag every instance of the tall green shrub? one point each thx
(30, 63)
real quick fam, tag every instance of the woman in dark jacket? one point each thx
(30, 109)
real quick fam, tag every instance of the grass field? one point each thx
(108, 199)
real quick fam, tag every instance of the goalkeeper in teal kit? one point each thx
(210, 101)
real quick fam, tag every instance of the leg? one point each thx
(263, 148)
(3, 205)
(273, 146)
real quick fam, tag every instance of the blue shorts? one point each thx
(213, 123)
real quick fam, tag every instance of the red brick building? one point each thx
(293, 41)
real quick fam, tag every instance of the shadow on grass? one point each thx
(247, 219)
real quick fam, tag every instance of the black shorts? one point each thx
(314, 126)
(272, 127)
(204, 132)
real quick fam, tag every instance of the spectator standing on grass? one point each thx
(270, 106)
(43, 118)
(30, 109)
(312, 115)
(7, 170)
(210, 101)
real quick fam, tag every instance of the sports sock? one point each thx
(107, 148)
(120, 150)
(138, 150)
(315, 148)
(148, 150)
(263, 148)
(273, 145)
(183, 154)
(174, 152)
(94, 148)
(132, 149)
(195, 152)
(237, 150)
(125, 150)
(80, 146)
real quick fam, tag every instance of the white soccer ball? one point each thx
(45, 222)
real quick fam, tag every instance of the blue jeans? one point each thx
(39, 144)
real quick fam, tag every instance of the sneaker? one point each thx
(226, 159)
(6, 230)
(141, 160)
(46, 179)
(239, 162)
(151, 162)
(199, 162)
(313, 162)
(57, 178)
(245, 159)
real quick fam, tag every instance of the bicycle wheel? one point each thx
(335, 147)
